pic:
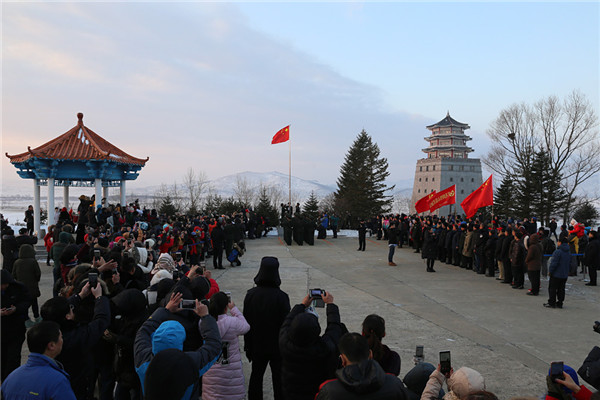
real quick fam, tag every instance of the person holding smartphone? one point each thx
(460, 383)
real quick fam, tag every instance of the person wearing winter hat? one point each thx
(591, 257)
(460, 384)
(160, 332)
(309, 359)
(170, 375)
(566, 388)
(416, 380)
(27, 271)
(265, 308)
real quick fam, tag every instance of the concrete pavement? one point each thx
(500, 332)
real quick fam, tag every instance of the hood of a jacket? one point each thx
(130, 302)
(64, 237)
(169, 335)
(268, 274)
(416, 379)
(362, 378)
(26, 251)
(534, 239)
(304, 329)
(465, 381)
(564, 247)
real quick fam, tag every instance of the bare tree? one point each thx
(244, 192)
(567, 131)
(195, 185)
(402, 203)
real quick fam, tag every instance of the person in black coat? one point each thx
(489, 252)
(10, 249)
(591, 257)
(308, 359)
(361, 377)
(265, 308)
(508, 239)
(362, 236)
(79, 339)
(218, 240)
(15, 303)
(430, 247)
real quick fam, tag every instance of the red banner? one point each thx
(443, 198)
(422, 204)
(283, 135)
(481, 197)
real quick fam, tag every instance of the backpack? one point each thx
(232, 255)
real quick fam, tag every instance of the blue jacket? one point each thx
(160, 332)
(41, 378)
(560, 262)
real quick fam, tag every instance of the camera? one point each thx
(187, 304)
(176, 275)
(597, 326)
(317, 296)
(228, 296)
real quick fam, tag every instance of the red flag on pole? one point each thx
(481, 197)
(283, 135)
(422, 204)
(443, 198)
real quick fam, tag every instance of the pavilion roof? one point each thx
(79, 143)
(448, 121)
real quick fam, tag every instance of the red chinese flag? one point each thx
(282, 136)
(483, 196)
(422, 204)
(443, 198)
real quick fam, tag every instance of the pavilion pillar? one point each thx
(123, 198)
(66, 196)
(104, 196)
(36, 209)
(50, 201)
(98, 191)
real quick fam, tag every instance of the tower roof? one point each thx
(448, 121)
(79, 143)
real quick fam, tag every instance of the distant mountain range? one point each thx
(224, 186)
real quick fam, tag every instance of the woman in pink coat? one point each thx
(225, 379)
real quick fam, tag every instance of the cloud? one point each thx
(189, 84)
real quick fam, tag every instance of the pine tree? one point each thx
(586, 214)
(310, 208)
(361, 185)
(551, 195)
(504, 198)
(167, 207)
(265, 209)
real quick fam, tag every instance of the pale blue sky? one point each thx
(206, 85)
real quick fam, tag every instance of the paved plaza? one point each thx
(502, 333)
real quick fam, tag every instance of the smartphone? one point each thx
(445, 362)
(556, 370)
(419, 352)
(317, 296)
(228, 296)
(178, 256)
(96, 254)
(93, 279)
(187, 304)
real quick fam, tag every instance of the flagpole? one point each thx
(290, 172)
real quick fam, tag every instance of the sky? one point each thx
(206, 85)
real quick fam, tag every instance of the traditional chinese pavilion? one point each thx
(79, 158)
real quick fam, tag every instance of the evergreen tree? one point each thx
(310, 208)
(361, 185)
(504, 198)
(213, 203)
(586, 214)
(550, 196)
(265, 209)
(167, 207)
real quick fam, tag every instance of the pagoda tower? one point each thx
(447, 164)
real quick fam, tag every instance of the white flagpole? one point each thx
(290, 170)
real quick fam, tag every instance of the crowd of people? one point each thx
(135, 313)
(508, 248)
